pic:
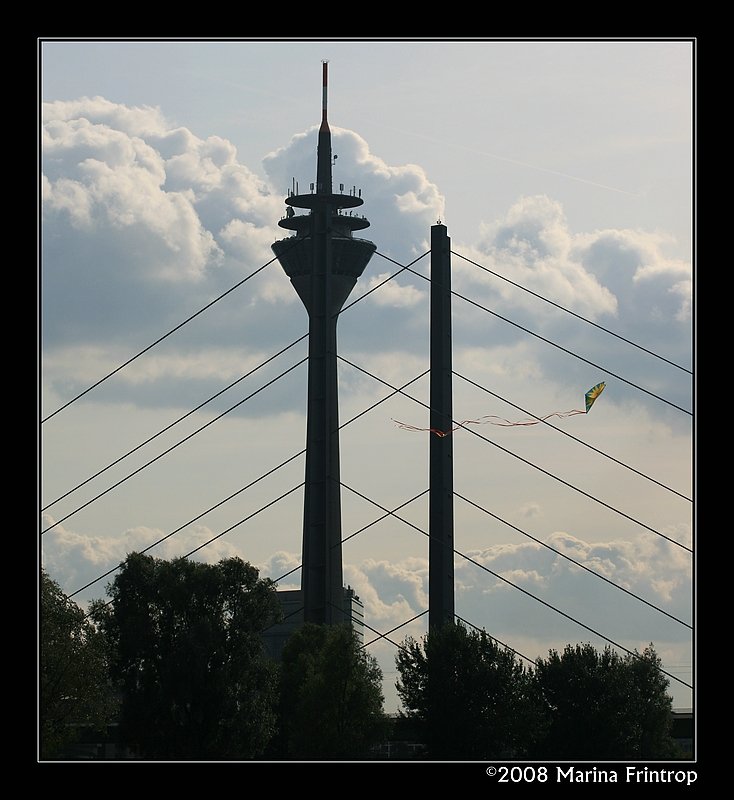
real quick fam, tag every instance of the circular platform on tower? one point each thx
(341, 223)
(312, 200)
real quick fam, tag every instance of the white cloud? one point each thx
(393, 293)
(135, 121)
(597, 274)
(650, 568)
(534, 247)
(104, 179)
(283, 563)
(73, 559)
(145, 222)
(183, 201)
(633, 265)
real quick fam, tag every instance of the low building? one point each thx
(291, 604)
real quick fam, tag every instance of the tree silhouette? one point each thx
(189, 658)
(470, 697)
(331, 695)
(601, 705)
(74, 681)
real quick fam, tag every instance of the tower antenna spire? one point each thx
(323, 152)
(324, 95)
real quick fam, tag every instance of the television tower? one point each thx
(323, 261)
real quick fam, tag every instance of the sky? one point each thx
(562, 170)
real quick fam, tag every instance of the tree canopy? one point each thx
(331, 695)
(189, 658)
(471, 697)
(602, 705)
(74, 686)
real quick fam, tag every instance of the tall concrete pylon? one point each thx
(441, 609)
(323, 261)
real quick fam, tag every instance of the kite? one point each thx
(589, 398)
(592, 394)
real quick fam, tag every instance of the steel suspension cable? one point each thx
(214, 538)
(383, 282)
(515, 586)
(252, 483)
(159, 340)
(173, 447)
(573, 313)
(559, 347)
(397, 627)
(175, 422)
(244, 519)
(575, 439)
(563, 614)
(572, 560)
(528, 463)
(194, 519)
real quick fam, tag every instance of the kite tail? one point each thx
(438, 432)
(488, 420)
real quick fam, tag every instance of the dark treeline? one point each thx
(176, 660)
(468, 698)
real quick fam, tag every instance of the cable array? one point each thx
(394, 390)
(175, 422)
(524, 460)
(558, 346)
(173, 447)
(249, 485)
(573, 313)
(160, 339)
(574, 438)
(514, 585)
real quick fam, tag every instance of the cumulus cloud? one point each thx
(650, 568)
(622, 280)
(533, 246)
(284, 568)
(135, 209)
(603, 274)
(145, 222)
(99, 177)
(634, 266)
(395, 591)
(73, 559)
(393, 293)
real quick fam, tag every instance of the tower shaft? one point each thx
(323, 261)
(322, 578)
(441, 454)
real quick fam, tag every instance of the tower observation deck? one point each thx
(323, 260)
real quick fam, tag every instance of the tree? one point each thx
(602, 706)
(471, 698)
(74, 684)
(194, 678)
(331, 695)
(652, 706)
